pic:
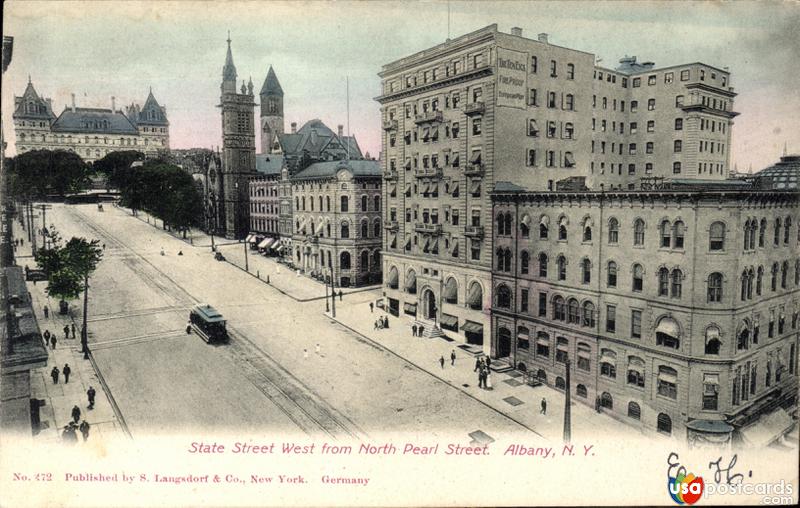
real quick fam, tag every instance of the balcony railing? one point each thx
(474, 169)
(390, 125)
(429, 117)
(432, 229)
(474, 231)
(475, 108)
(428, 172)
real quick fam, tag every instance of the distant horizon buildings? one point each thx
(92, 133)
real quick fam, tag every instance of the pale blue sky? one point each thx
(100, 49)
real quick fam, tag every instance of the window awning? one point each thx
(435, 246)
(475, 188)
(250, 239)
(410, 308)
(475, 296)
(667, 377)
(392, 189)
(434, 188)
(712, 333)
(427, 245)
(476, 158)
(451, 289)
(411, 281)
(319, 229)
(265, 243)
(544, 341)
(524, 336)
(668, 326)
(426, 189)
(544, 220)
(455, 248)
(608, 358)
(570, 160)
(526, 220)
(408, 243)
(392, 280)
(280, 248)
(435, 134)
(408, 163)
(448, 320)
(472, 327)
(454, 189)
(636, 368)
(456, 159)
(408, 189)
(426, 133)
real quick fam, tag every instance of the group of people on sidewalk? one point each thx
(382, 322)
(416, 330)
(482, 364)
(70, 432)
(50, 338)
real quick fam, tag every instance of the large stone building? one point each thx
(490, 107)
(89, 132)
(677, 307)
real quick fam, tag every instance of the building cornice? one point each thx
(485, 70)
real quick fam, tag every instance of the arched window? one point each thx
(612, 274)
(775, 276)
(303, 202)
(507, 223)
(542, 350)
(638, 232)
(411, 282)
(503, 297)
(524, 227)
(344, 204)
(364, 228)
(606, 401)
(580, 391)
(376, 228)
(663, 282)
(777, 233)
(713, 342)
(475, 296)
(587, 233)
(327, 204)
(559, 309)
(613, 230)
(296, 203)
(572, 311)
(678, 231)
(543, 229)
(759, 280)
(784, 273)
(500, 225)
(746, 236)
(665, 229)
(664, 424)
(715, 287)
(344, 260)
(364, 261)
(376, 203)
(345, 230)
(676, 283)
(451, 291)
(638, 278)
(560, 383)
(542, 264)
(762, 232)
(797, 272)
(608, 363)
(668, 333)
(562, 231)
(635, 371)
(376, 260)
(667, 382)
(586, 269)
(364, 203)
(561, 263)
(525, 262)
(634, 411)
(588, 314)
(716, 236)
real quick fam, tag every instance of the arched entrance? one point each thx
(503, 343)
(429, 304)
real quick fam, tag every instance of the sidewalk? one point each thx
(59, 399)
(508, 395)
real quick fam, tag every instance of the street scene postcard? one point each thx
(378, 253)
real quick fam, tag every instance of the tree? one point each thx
(64, 284)
(68, 266)
(40, 173)
(115, 162)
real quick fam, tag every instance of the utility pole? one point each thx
(246, 265)
(44, 207)
(85, 328)
(567, 413)
(333, 296)
(327, 307)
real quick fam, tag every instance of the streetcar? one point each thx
(208, 323)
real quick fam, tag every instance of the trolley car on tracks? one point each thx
(208, 323)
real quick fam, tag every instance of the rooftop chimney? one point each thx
(516, 31)
(543, 37)
(341, 130)
(73, 103)
(113, 104)
(294, 127)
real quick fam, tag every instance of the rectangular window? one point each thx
(542, 304)
(669, 77)
(651, 126)
(523, 301)
(651, 80)
(636, 324)
(685, 75)
(637, 82)
(553, 69)
(611, 318)
(532, 97)
(476, 126)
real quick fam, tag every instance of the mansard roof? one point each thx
(271, 85)
(31, 105)
(269, 163)
(93, 121)
(152, 113)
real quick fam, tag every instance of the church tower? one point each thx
(238, 150)
(271, 111)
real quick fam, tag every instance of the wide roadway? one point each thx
(270, 377)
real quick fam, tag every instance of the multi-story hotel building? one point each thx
(337, 221)
(491, 107)
(677, 307)
(89, 132)
(265, 202)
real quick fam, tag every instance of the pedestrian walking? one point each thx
(386, 321)
(488, 362)
(305, 353)
(544, 406)
(477, 364)
(90, 393)
(76, 413)
(84, 428)
(73, 331)
(375, 324)
(54, 374)
(482, 378)
(441, 361)
(46, 336)
(371, 306)
(421, 329)
(316, 349)
(414, 329)
(453, 357)
(46, 311)
(66, 331)
(67, 371)
(53, 341)
(340, 295)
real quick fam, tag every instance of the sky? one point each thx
(102, 49)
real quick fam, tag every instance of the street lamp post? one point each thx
(246, 264)
(333, 296)
(84, 328)
(567, 413)
(327, 307)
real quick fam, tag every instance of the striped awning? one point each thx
(475, 296)
(472, 327)
(448, 320)
(410, 308)
(250, 239)
(265, 243)
(411, 281)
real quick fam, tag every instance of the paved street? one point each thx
(163, 380)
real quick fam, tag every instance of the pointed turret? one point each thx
(271, 85)
(229, 71)
(31, 105)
